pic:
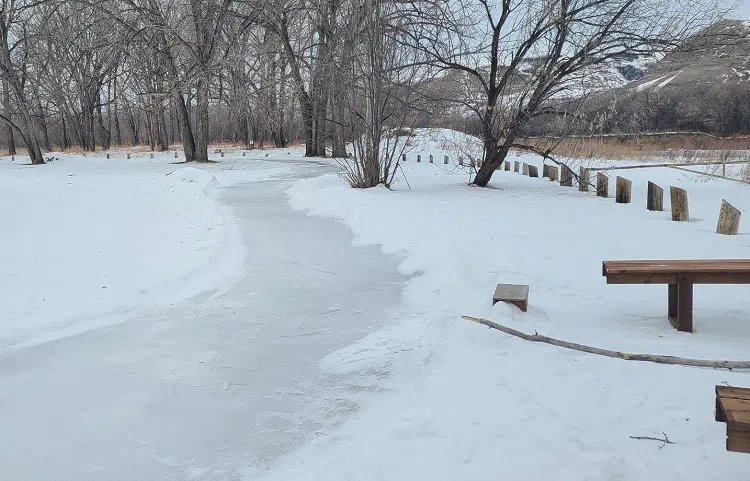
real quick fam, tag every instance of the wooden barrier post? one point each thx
(403, 157)
(460, 161)
(516, 165)
(545, 170)
(533, 171)
(431, 159)
(107, 155)
(128, 155)
(507, 166)
(679, 198)
(553, 173)
(655, 198)
(419, 158)
(525, 170)
(729, 219)
(583, 179)
(152, 155)
(602, 185)
(222, 153)
(566, 176)
(623, 188)
(445, 159)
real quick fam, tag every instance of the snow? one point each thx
(94, 242)
(462, 402)
(230, 315)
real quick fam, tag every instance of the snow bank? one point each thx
(462, 402)
(90, 242)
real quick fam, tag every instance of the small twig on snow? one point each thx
(663, 442)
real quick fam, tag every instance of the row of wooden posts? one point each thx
(729, 216)
(446, 159)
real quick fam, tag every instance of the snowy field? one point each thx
(154, 248)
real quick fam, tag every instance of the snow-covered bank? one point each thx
(467, 403)
(89, 242)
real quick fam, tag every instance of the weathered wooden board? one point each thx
(602, 185)
(729, 219)
(566, 176)
(679, 201)
(517, 294)
(583, 179)
(525, 170)
(655, 198)
(623, 189)
(553, 173)
(733, 408)
(533, 171)
(516, 165)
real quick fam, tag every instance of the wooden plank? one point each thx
(517, 294)
(566, 176)
(507, 166)
(733, 392)
(525, 169)
(583, 179)
(533, 171)
(738, 441)
(553, 173)
(623, 189)
(602, 185)
(655, 198)
(680, 212)
(729, 219)
(684, 303)
(672, 300)
(545, 170)
(516, 165)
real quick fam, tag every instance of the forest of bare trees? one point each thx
(340, 75)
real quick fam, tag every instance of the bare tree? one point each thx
(521, 55)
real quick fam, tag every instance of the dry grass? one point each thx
(684, 147)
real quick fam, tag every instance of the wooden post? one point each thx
(583, 179)
(507, 166)
(533, 171)
(623, 187)
(445, 159)
(602, 185)
(175, 154)
(566, 176)
(152, 155)
(222, 153)
(516, 165)
(107, 155)
(525, 170)
(403, 157)
(431, 160)
(545, 170)
(460, 161)
(729, 219)
(679, 198)
(128, 155)
(655, 198)
(419, 158)
(552, 173)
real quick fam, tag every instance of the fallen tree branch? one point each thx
(663, 442)
(659, 359)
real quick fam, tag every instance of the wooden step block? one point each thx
(733, 408)
(517, 294)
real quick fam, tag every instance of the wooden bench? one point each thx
(679, 275)
(733, 408)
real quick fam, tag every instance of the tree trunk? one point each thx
(494, 156)
(201, 121)
(10, 138)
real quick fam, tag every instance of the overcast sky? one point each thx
(742, 9)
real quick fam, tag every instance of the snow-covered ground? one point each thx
(231, 322)
(463, 402)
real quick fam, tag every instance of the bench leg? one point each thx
(684, 304)
(672, 301)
